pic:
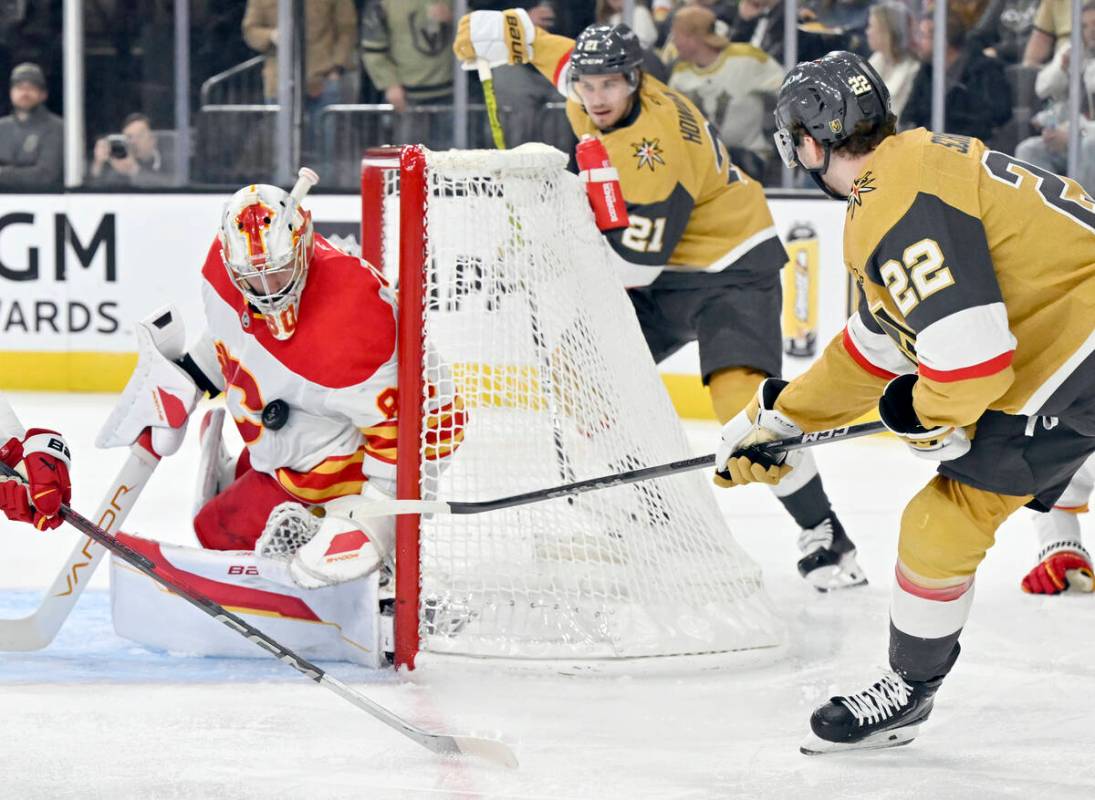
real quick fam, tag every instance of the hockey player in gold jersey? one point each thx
(975, 341)
(700, 256)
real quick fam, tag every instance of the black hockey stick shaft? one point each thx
(438, 743)
(662, 470)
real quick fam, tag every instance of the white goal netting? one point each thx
(528, 325)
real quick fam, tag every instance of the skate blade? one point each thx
(845, 575)
(816, 746)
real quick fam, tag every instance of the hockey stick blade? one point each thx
(492, 749)
(385, 508)
(40, 627)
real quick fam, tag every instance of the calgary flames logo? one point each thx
(648, 152)
(253, 223)
(242, 394)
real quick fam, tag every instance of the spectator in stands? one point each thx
(760, 23)
(1013, 23)
(889, 37)
(728, 83)
(848, 17)
(978, 97)
(31, 138)
(142, 163)
(1052, 27)
(724, 10)
(610, 12)
(406, 50)
(1050, 149)
(330, 30)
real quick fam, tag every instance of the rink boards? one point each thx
(79, 270)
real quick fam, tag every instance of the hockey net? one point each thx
(509, 307)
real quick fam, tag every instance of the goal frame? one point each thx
(411, 165)
(410, 162)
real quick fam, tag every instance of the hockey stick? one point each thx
(490, 749)
(38, 629)
(496, 132)
(390, 507)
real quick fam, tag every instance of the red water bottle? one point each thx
(602, 181)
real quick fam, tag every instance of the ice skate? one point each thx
(888, 713)
(829, 560)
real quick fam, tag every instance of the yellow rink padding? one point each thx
(490, 386)
(65, 372)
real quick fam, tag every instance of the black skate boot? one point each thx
(829, 562)
(888, 713)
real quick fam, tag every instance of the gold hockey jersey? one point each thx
(691, 210)
(978, 273)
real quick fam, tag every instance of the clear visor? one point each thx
(785, 144)
(631, 76)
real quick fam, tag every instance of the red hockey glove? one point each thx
(45, 459)
(1061, 570)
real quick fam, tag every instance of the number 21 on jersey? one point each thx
(645, 235)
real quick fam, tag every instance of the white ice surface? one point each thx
(94, 716)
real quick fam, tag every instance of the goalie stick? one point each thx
(490, 749)
(38, 629)
(389, 507)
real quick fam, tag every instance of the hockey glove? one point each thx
(737, 461)
(499, 37)
(160, 394)
(942, 443)
(44, 457)
(1066, 567)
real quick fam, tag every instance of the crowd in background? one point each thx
(1006, 74)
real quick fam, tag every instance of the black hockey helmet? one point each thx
(605, 50)
(828, 98)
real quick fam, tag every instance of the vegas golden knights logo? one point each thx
(800, 291)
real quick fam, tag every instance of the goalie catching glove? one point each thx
(43, 457)
(941, 443)
(737, 460)
(498, 37)
(317, 546)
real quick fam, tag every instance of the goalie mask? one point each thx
(266, 243)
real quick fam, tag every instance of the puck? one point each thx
(275, 415)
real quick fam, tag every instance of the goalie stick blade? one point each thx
(816, 746)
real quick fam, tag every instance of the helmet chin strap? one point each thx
(816, 174)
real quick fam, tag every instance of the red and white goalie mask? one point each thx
(267, 241)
